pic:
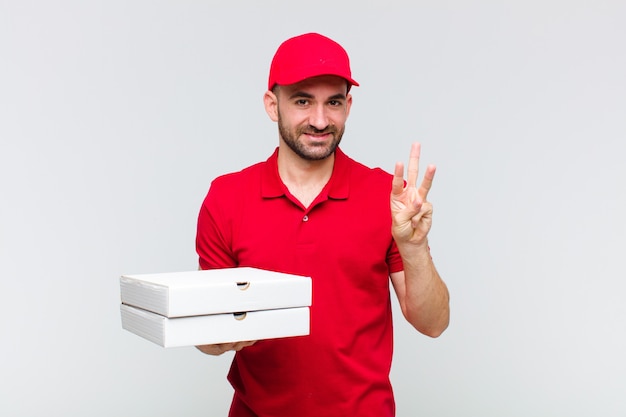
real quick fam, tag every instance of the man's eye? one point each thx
(335, 103)
(302, 102)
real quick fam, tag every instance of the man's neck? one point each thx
(304, 179)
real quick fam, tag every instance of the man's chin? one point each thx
(318, 152)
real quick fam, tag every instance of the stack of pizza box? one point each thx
(191, 308)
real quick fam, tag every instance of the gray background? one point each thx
(116, 115)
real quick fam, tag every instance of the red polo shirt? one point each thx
(343, 242)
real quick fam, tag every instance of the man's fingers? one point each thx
(427, 182)
(219, 348)
(240, 345)
(414, 165)
(215, 350)
(397, 184)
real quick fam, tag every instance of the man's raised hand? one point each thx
(411, 213)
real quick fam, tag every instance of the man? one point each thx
(310, 210)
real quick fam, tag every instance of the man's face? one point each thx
(311, 115)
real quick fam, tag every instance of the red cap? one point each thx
(307, 56)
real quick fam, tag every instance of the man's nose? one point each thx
(318, 117)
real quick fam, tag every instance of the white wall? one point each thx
(116, 115)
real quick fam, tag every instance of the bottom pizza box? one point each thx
(216, 328)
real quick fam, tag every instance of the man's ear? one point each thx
(271, 105)
(348, 104)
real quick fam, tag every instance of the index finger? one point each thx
(397, 185)
(414, 165)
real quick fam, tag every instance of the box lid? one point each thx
(215, 291)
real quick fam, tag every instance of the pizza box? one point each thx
(216, 328)
(215, 291)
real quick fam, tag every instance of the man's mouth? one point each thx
(319, 137)
(319, 134)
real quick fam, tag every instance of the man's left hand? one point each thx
(411, 212)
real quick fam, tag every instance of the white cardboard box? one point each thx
(215, 291)
(216, 328)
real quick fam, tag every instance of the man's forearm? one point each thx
(426, 300)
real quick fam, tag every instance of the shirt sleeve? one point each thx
(214, 234)
(394, 260)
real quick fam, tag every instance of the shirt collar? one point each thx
(338, 186)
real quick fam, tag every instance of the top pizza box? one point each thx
(215, 291)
